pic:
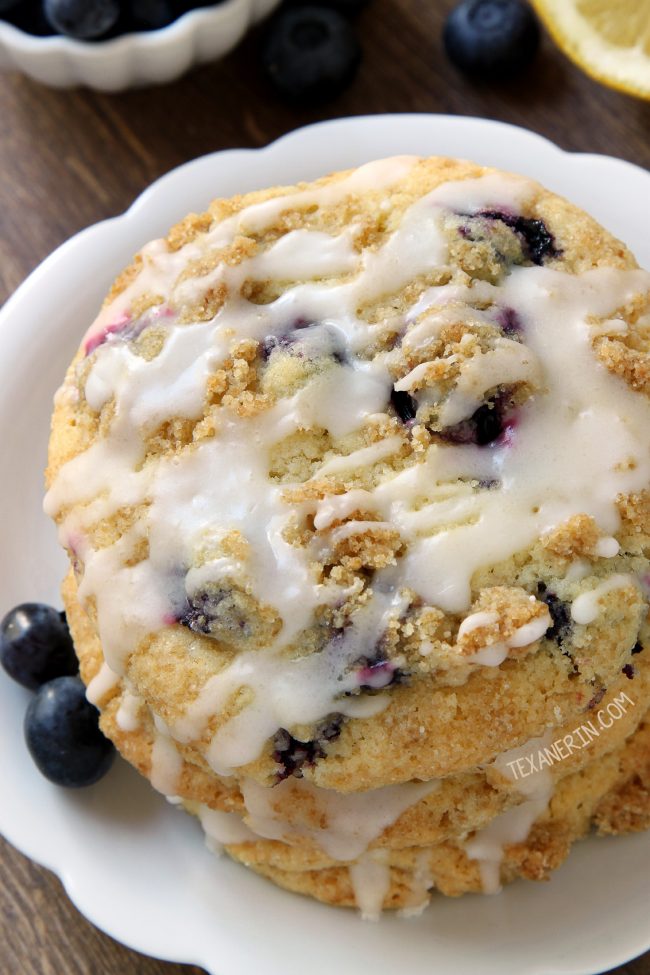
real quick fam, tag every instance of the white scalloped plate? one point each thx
(130, 862)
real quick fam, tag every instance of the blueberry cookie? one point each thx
(353, 477)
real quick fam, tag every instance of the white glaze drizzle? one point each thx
(370, 878)
(348, 822)
(512, 826)
(493, 654)
(223, 828)
(586, 607)
(607, 547)
(421, 884)
(166, 764)
(476, 621)
(127, 717)
(487, 846)
(101, 684)
(577, 570)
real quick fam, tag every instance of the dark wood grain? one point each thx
(68, 159)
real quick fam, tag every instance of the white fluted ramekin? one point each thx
(143, 58)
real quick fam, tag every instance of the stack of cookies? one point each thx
(353, 477)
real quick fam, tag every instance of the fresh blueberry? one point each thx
(292, 755)
(404, 405)
(82, 19)
(560, 613)
(491, 38)
(310, 54)
(63, 736)
(35, 645)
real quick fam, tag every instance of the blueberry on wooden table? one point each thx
(491, 39)
(63, 735)
(35, 645)
(310, 54)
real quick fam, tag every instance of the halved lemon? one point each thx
(609, 39)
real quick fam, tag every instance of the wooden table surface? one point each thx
(68, 159)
